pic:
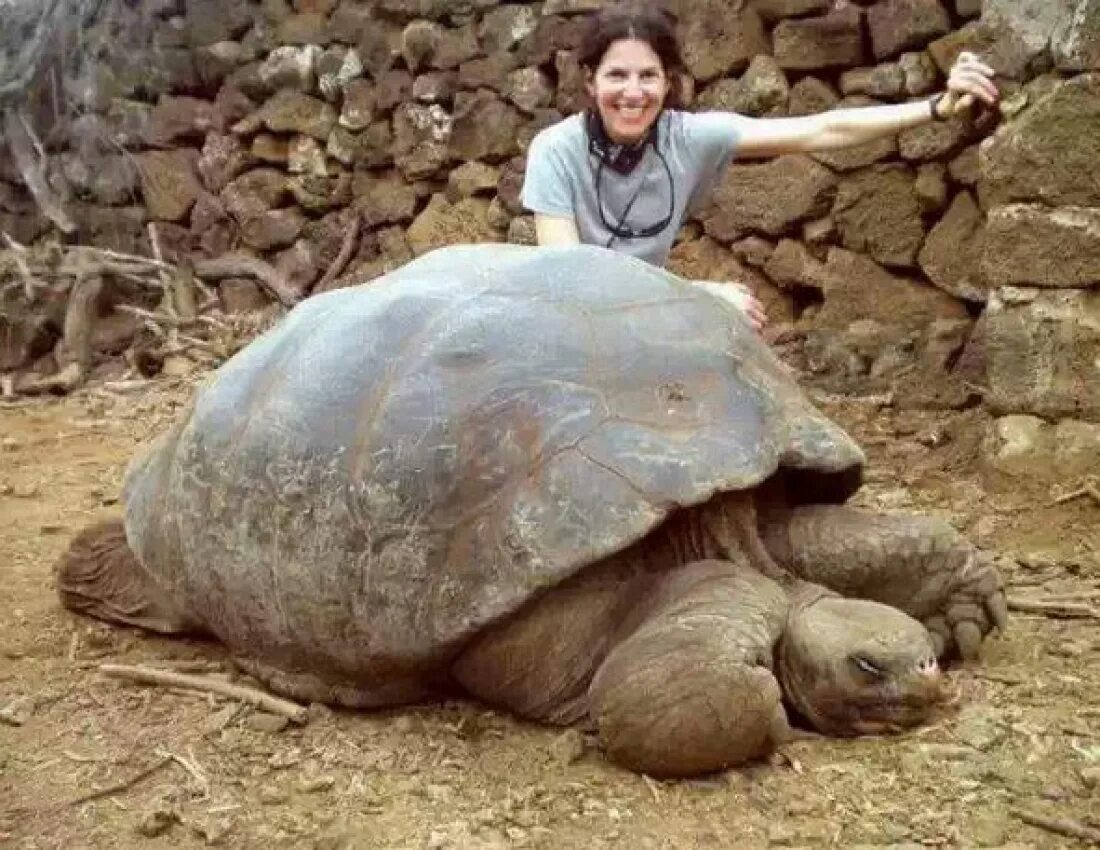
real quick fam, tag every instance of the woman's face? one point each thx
(629, 88)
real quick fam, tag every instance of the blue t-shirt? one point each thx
(561, 179)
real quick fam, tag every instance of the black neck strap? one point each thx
(618, 157)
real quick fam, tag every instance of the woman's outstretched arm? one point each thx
(841, 128)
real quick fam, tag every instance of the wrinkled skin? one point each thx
(917, 564)
(855, 667)
(685, 670)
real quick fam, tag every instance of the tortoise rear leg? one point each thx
(100, 576)
(916, 563)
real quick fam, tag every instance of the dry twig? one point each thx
(66, 380)
(161, 320)
(25, 147)
(191, 766)
(124, 785)
(1055, 610)
(252, 696)
(1089, 489)
(347, 248)
(1060, 826)
(245, 265)
(30, 284)
(106, 255)
(74, 351)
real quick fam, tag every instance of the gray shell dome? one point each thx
(398, 464)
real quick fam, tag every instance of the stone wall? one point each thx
(937, 266)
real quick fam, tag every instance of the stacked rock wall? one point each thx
(932, 264)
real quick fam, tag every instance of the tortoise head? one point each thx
(855, 667)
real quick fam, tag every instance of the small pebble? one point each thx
(950, 752)
(263, 722)
(286, 759)
(437, 840)
(568, 747)
(9, 444)
(318, 713)
(271, 796)
(18, 712)
(1036, 561)
(317, 784)
(212, 831)
(157, 822)
(1091, 777)
(219, 719)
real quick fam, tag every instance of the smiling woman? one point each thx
(625, 173)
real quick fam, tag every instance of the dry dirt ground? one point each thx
(178, 769)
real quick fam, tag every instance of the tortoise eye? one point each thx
(868, 667)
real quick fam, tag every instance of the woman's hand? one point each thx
(969, 76)
(741, 297)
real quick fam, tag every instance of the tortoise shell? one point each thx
(398, 464)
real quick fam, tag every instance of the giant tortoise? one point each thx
(561, 481)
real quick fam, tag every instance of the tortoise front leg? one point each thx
(691, 690)
(918, 564)
(672, 667)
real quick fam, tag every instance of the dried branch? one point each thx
(18, 75)
(347, 248)
(80, 313)
(183, 292)
(74, 351)
(245, 265)
(252, 696)
(136, 259)
(1089, 489)
(64, 381)
(1059, 826)
(192, 767)
(161, 320)
(18, 253)
(125, 784)
(23, 143)
(84, 259)
(1054, 609)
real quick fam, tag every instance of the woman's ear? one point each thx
(590, 83)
